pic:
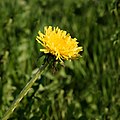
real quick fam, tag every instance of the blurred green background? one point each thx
(85, 89)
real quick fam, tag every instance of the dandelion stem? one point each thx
(24, 91)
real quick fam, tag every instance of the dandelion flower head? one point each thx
(58, 43)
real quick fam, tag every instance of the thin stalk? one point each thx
(24, 91)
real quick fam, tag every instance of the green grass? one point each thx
(85, 89)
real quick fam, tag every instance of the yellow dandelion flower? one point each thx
(58, 43)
